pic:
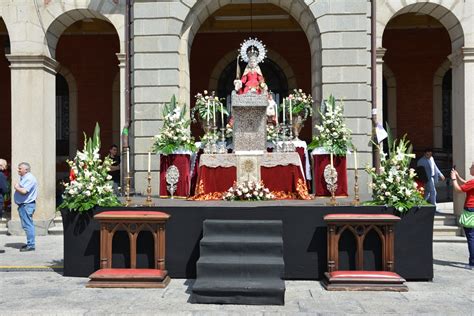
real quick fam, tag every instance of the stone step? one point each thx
(442, 220)
(446, 231)
(450, 239)
(56, 230)
(3, 231)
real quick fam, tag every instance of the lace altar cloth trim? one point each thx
(266, 160)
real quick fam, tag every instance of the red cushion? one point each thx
(139, 215)
(127, 273)
(345, 274)
(330, 217)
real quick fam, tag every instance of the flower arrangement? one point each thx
(272, 133)
(90, 184)
(334, 136)
(395, 184)
(301, 103)
(248, 191)
(209, 137)
(175, 134)
(207, 107)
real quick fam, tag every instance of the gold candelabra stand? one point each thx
(356, 201)
(149, 201)
(128, 199)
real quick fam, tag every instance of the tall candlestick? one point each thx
(128, 160)
(291, 112)
(276, 113)
(332, 161)
(149, 161)
(355, 159)
(207, 110)
(283, 111)
(214, 112)
(222, 115)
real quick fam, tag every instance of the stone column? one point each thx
(33, 102)
(380, 53)
(462, 116)
(122, 59)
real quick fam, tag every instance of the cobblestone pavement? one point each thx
(47, 292)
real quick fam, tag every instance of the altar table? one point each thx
(281, 173)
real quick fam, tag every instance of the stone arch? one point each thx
(391, 81)
(440, 12)
(302, 12)
(271, 54)
(438, 103)
(72, 86)
(60, 22)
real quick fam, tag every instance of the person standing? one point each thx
(433, 175)
(115, 167)
(3, 187)
(467, 217)
(25, 195)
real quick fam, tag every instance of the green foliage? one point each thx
(90, 184)
(333, 136)
(174, 135)
(394, 184)
(204, 107)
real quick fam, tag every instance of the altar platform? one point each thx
(304, 237)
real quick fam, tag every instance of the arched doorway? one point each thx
(416, 45)
(227, 27)
(5, 95)
(87, 49)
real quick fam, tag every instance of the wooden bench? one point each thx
(361, 280)
(133, 222)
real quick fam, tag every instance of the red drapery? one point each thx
(183, 163)
(285, 181)
(320, 162)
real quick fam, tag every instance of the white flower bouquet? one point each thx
(395, 184)
(301, 103)
(90, 184)
(248, 191)
(333, 135)
(175, 134)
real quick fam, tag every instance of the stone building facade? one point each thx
(182, 47)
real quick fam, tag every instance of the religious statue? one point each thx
(253, 52)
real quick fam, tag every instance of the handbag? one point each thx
(467, 219)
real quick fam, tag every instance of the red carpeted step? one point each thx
(129, 274)
(365, 276)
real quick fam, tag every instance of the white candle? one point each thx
(276, 113)
(149, 162)
(128, 160)
(332, 161)
(283, 111)
(222, 115)
(291, 113)
(214, 112)
(207, 106)
(355, 159)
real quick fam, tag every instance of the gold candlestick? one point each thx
(356, 201)
(128, 199)
(149, 201)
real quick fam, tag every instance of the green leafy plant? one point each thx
(90, 184)
(175, 134)
(301, 103)
(394, 184)
(333, 135)
(205, 105)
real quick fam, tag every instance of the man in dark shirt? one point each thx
(115, 168)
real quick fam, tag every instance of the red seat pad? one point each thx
(330, 217)
(129, 273)
(132, 214)
(347, 274)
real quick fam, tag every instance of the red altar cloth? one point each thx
(320, 162)
(183, 163)
(285, 182)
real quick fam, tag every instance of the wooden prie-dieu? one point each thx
(362, 280)
(132, 222)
